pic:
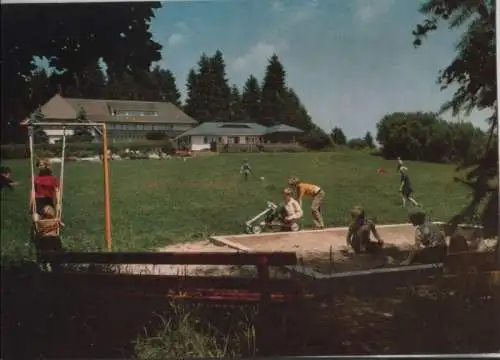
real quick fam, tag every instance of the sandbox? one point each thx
(325, 251)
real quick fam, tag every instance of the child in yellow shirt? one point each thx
(315, 192)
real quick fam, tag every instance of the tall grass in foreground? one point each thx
(184, 335)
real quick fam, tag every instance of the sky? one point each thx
(350, 61)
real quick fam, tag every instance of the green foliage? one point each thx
(369, 140)
(338, 136)
(473, 73)
(18, 151)
(250, 98)
(357, 144)
(273, 92)
(237, 112)
(43, 30)
(81, 133)
(165, 87)
(183, 335)
(316, 139)
(39, 135)
(208, 90)
(425, 137)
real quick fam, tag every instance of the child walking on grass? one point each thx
(405, 187)
(245, 169)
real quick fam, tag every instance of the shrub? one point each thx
(357, 144)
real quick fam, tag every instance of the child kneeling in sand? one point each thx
(360, 229)
(47, 226)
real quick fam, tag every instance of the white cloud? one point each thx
(294, 14)
(278, 6)
(256, 57)
(367, 10)
(175, 39)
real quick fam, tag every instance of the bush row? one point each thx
(21, 151)
(238, 148)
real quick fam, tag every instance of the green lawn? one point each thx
(155, 203)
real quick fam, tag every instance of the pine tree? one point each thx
(237, 113)
(294, 112)
(40, 88)
(338, 136)
(192, 94)
(369, 140)
(250, 99)
(166, 86)
(220, 92)
(39, 136)
(92, 82)
(82, 133)
(273, 92)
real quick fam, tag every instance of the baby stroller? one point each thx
(272, 217)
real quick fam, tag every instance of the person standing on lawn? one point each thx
(310, 190)
(430, 244)
(405, 187)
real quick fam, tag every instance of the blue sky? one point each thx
(350, 61)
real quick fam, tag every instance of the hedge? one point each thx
(20, 151)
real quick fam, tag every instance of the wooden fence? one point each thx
(302, 282)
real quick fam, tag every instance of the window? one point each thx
(135, 113)
(205, 140)
(236, 139)
(139, 126)
(235, 126)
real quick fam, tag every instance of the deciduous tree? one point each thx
(473, 73)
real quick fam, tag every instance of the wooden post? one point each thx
(263, 275)
(107, 204)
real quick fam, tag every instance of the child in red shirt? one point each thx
(46, 190)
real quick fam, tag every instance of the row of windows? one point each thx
(133, 113)
(147, 127)
(233, 139)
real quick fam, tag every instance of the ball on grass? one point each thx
(262, 177)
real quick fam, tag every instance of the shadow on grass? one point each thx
(40, 320)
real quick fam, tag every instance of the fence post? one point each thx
(263, 275)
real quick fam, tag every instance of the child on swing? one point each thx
(46, 188)
(46, 235)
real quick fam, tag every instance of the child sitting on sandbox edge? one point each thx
(358, 234)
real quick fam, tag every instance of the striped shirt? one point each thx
(429, 235)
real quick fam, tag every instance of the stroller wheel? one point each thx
(256, 229)
(295, 227)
